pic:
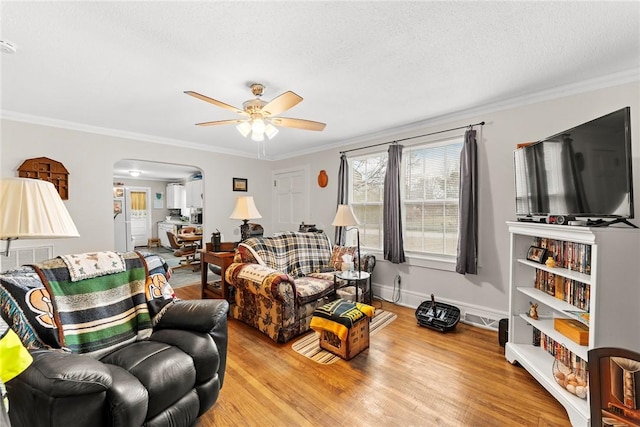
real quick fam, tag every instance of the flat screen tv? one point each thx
(583, 172)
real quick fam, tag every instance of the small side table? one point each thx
(355, 278)
(221, 259)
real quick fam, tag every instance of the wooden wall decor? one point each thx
(47, 170)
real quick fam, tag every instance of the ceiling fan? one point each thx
(260, 115)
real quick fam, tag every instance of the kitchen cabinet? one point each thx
(176, 196)
(163, 227)
(194, 194)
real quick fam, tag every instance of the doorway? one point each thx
(155, 176)
(132, 218)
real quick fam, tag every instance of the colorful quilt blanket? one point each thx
(25, 304)
(99, 314)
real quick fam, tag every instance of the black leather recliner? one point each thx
(168, 380)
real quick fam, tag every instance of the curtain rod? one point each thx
(413, 137)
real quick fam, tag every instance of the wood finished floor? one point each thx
(409, 376)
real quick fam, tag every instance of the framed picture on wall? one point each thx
(240, 184)
(118, 192)
(117, 207)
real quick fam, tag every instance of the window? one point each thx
(431, 175)
(367, 192)
(430, 187)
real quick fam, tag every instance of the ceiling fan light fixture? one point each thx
(244, 128)
(270, 130)
(134, 173)
(257, 126)
(259, 116)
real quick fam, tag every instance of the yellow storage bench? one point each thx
(343, 327)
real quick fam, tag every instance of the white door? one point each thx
(138, 216)
(290, 199)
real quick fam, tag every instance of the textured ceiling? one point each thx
(361, 67)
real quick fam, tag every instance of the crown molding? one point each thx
(617, 79)
(610, 80)
(62, 124)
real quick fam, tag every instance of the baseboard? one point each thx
(482, 317)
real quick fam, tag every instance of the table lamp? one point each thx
(32, 209)
(245, 210)
(345, 218)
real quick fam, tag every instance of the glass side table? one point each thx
(356, 278)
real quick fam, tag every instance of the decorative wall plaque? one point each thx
(47, 170)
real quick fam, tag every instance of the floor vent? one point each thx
(481, 321)
(22, 256)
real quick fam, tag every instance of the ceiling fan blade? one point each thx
(281, 103)
(216, 102)
(298, 123)
(221, 122)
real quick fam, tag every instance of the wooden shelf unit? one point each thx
(614, 301)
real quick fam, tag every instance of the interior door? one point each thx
(290, 199)
(138, 221)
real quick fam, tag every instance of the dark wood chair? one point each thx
(185, 251)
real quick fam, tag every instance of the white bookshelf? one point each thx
(614, 301)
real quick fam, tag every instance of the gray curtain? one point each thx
(467, 259)
(392, 213)
(343, 196)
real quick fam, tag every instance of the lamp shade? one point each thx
(245, 209)
(344, 217)
(33, 209)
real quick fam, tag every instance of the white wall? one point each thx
(90, 157)
(485, 294)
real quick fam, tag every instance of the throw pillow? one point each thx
(337, 253)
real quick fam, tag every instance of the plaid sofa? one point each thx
(279, 281)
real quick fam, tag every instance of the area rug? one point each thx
(309, 345)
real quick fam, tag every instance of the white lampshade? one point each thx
(270, 130)
(257, 137)
(245, 209)
(33, 209)
(344, 217)
(244, 128)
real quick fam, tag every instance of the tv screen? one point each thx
(584, 171)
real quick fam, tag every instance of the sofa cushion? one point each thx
(338, 252)
(312, 288)
(164, 370)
